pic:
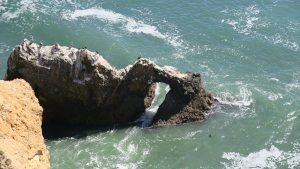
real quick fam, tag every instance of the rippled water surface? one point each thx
(247, 52)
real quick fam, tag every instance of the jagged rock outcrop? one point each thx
(77, 86)
(21, 141)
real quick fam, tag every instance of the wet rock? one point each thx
(76, 86)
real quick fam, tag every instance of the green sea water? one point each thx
(246, 51)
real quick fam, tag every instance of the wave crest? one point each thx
(272, 158)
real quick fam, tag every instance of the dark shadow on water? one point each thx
(58, 131)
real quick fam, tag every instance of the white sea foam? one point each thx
(129, 150)
(279, 39)
(94, 162)
(285, 127)
(24, 6)
(247, 21)
(244, 21)
(127, 166)
(4, 48)
(190, 135)
(274, 79)
(294, 85)
(3, 5)
(167, 89)
(242, 99)
(128, 24)
(272, 158)
(132, 25)
(239, 104)
(274, 97)
(271, 96)
(126, 147)
(147, 117)
(99, 151)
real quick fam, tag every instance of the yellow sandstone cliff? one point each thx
(21, 141)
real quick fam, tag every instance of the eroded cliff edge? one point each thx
(77, 86)
(21, 141)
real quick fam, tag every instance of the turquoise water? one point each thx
(247, 52)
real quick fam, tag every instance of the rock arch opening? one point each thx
(160, 92)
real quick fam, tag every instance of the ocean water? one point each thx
(247, 52)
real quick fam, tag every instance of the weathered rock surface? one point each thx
(21, 141)
(77, 86)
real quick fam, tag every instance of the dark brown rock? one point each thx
(76, 86)
(150, 95)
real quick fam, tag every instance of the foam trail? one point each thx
(128, 24)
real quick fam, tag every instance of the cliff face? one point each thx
(76, 86)
(21, 141)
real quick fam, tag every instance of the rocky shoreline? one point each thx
(79, 87)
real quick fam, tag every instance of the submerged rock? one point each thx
(76, 86)
(21, 141)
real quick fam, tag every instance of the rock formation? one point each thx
(21, 141)
(76, 86)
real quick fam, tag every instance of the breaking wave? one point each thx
(242, 99)
(266, 158)
(237, 104)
